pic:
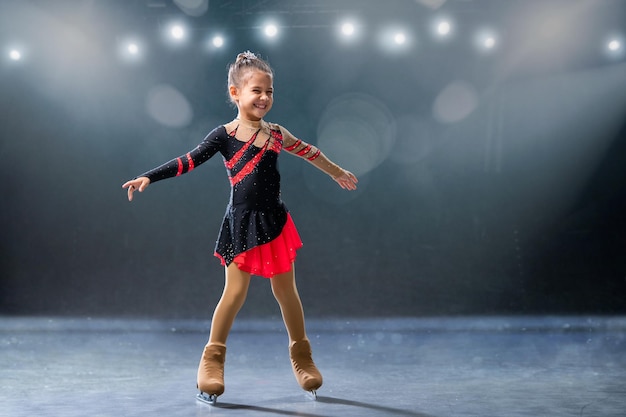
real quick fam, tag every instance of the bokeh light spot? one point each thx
(455, 102)
(193, 7)
(218, 41)
(357, 123)
(399, 38)
(443, 28)
(177, 32)
(168, 106)
(415, 140)
(347, 29)
(15, 55)
(271, 30)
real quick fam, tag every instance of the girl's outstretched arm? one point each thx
(138, 184)
(347, 180)
(315, 156)
(211, 144)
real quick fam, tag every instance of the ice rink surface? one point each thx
(422, 367)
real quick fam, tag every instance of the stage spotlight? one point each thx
(177, 32)
(614, 45)
(486, 40)
(394, 39)
(399, 38)
(443, 28)
(270, 30)
(218, 41)
(132, 48)
(15, 55)
(347, 29)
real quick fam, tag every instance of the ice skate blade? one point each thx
(210, 399)
(313, 394)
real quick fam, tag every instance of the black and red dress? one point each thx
(257, 232)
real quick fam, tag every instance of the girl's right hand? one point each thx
(347, 180)
(138, 184)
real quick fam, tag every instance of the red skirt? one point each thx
(272, 258)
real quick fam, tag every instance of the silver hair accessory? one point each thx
(248, 55)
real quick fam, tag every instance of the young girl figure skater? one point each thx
(257, 236)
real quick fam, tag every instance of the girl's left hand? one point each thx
(347, 180)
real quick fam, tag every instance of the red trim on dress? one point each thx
(277, 145)
(248, 167)
(315, 155)
(179, 162)
(237, 156)
(272, 258)
(190, 164)
(294, 146)
(276, 134)
(304, 150)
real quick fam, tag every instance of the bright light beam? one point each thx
(395, 39)
(347, 29)
(614, 45)
(177, 32)
(489, 42)
(131, 49)
(486, 40)
(270, 30)
(15, 55)
(218, 41)
(399, 38)
(443, 28)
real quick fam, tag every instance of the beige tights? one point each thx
(286, 293)
(236, 287)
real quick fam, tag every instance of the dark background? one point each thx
(489, 183)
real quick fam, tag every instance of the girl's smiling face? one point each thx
(255, 97)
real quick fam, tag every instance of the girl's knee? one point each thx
(284, 290)
(235, 294)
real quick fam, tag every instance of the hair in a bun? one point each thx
(246, 61)
(247, 55)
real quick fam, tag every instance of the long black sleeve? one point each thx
(213, 143)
